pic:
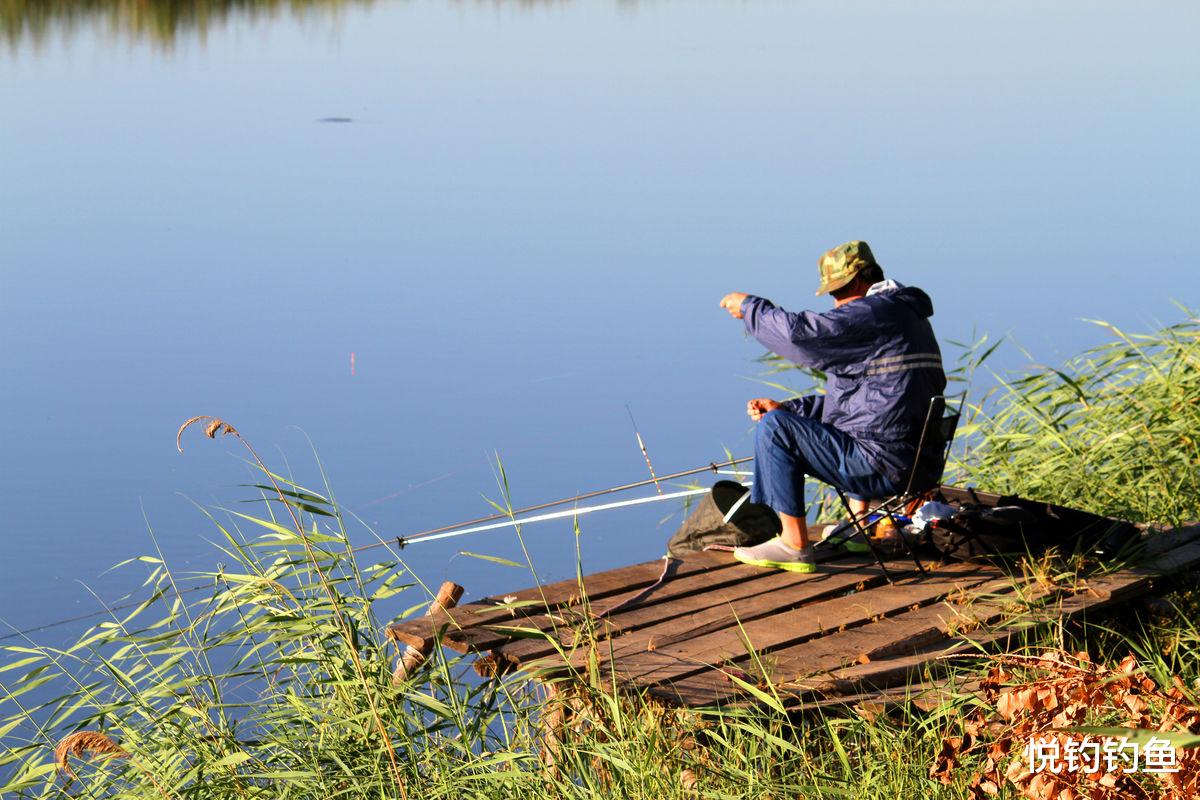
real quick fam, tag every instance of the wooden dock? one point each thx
(714, 632)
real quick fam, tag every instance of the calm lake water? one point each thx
(522, 221)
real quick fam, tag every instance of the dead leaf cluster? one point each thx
(1037, 698)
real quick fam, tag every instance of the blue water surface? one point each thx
(525, 225)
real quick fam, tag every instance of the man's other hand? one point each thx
(759, 406)
(732, 303)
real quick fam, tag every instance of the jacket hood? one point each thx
(911, 296)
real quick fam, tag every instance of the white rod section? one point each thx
(571, 512)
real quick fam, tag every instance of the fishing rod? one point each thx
(460, 529)
(508, 516)
(570, 512)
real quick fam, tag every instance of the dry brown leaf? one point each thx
(1028, 698)
(688, 780)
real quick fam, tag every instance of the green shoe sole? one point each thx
(802, 567)
(859, 547)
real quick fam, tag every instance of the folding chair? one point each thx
(933, 448)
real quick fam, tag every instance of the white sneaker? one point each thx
(777, 554)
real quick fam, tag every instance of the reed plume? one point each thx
(84, 743)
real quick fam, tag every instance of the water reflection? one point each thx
(159, 21)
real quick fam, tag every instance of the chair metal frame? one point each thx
(946, 422)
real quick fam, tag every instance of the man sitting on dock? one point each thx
(883, 366)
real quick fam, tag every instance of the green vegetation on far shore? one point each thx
(159, 21)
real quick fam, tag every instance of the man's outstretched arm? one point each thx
(810, 339)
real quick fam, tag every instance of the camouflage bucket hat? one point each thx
(839, 266)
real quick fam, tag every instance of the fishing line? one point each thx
(463, 528)
(508, 515)
(93, 614)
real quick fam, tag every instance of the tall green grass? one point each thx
(270, 676)
(1115, 430)
(242, 682)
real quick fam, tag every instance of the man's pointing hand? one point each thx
(732, 303)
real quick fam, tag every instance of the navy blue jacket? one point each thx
(882, 363)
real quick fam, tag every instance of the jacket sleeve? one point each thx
(809, 406)
(837, 341)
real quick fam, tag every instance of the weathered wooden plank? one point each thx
(699, 622)
(679, 586)
(597, 586)
(691, 596)
(710, 687)
(1104, 592)
(417, 632)
(1159, 542)
(715, 688)
(926, 696)
(653, 673)
(1171, 559)
(926, 630)
(905, 633)
(702, 689)
(697, 648)
(704, 684)
(676, 596)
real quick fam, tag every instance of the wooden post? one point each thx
(413, 657)
(553, 721)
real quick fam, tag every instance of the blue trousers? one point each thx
(788, 446)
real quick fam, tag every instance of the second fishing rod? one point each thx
(710, 467)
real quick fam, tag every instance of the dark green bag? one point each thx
(749, 524)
